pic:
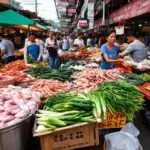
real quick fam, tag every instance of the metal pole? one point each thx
(103, 12)
(36, 6)
(28, 31)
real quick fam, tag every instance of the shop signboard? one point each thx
(91, 15)
(71, 10)
(119, 30)
(83, 23)
(61, 9)
(133, 9)
(67, 20)
(60, 3)
(117, 120)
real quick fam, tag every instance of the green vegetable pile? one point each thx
(134, 79)
(43, 72)
(72, 63)
(30, 60)
(145, 76)
(121, 97)
(72, 109)
(68, 109)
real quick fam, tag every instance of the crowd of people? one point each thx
(110, 48)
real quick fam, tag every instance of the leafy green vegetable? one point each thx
(44, 72)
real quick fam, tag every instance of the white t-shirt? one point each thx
(78, 42)
(88, 41)
(49, 42)
(65, 44)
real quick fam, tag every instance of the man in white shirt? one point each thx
(7, 49)
(79, 41)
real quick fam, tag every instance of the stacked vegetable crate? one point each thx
(70, 137)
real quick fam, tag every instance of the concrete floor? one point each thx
(144, 129)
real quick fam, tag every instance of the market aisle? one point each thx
(144, 131)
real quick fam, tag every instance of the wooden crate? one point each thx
(113, 121)
(70, 137)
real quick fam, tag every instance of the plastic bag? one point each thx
(126, 139)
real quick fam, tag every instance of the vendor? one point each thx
(136, 48)
(7, 49)
(79, 41)
(110, 52)
(33, 49)
(52, 47)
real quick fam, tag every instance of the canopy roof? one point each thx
(10, 17)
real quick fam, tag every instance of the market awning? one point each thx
(41, 26)
(10, 17)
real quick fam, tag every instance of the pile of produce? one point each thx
(135, 79)
(6, 80)
(92, 65)
(121, 97)
(145, 89)
(18, 65)
(145, 76)
(140, 66)
(67, 55)
(90, 79)
(18, 53)
(83, 52)
(16, 104)
(15, 69)
(49, 87)
(43, 72)
(72, 63)
(36, 64)
(68, 109)
(64, 109)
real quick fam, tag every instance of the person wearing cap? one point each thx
(136, 48)
(7, 49)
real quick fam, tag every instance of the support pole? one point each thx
(103, 21)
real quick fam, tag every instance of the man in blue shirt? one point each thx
(7, 49)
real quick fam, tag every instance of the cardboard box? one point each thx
(113, 121)
(70, 137)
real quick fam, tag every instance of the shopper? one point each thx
(70, 41)
(102, 40)
(39, 40)
(110, 52)
(7, 49)
(89, 41)
(33, 49)
(136, 48)
(52, 46)
(79, 41)
(65, 45)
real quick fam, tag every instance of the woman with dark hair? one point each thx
(79, 41)
(110, 52)
(52, 47)
(33, 49)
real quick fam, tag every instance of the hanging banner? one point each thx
(98, 23)
(84, 7)
(91, 15)
(60, 3)
(133, 9)
(71, 10)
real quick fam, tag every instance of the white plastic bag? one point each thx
(45, 55)
(126, 139)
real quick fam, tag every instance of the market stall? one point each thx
(78, 95)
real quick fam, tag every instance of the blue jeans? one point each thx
(53, 62)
